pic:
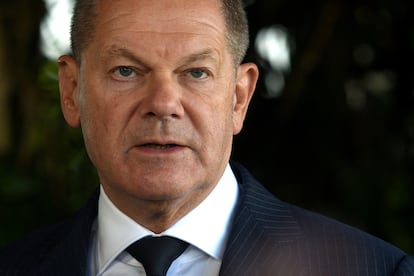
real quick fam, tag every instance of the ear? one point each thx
(247, 76)
(68, 87)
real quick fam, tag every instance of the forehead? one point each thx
(162, 16)
(167, 27)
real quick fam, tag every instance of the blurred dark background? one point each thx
(331, 127)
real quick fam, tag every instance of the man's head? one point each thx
(158, 98)
(83, 25)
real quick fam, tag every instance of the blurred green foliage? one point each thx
(51, 176)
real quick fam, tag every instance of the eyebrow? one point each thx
(123, 52)
(204, 54)
(201, 55)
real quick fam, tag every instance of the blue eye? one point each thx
(124, 72)
(198, 73)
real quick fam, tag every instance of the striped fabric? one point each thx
(268, 237)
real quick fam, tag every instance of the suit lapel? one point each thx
(263, 228)
(67, 253)
(261, 225)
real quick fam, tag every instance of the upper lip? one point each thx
(163, 142)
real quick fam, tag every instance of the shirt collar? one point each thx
(205, 227)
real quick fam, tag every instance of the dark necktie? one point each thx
(157, 253)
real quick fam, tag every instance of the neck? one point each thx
(157, 215)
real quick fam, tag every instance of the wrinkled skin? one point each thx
(158, 98)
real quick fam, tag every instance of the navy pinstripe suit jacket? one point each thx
(268, 237)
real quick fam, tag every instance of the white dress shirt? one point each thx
(205, 228)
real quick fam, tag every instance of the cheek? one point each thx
(97, 110)
(220, 126)
(94, 123)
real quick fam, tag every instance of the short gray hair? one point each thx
(83, 25)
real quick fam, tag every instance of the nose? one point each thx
(162, 99)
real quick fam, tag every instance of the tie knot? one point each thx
(157, 253)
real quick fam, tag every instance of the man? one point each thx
(159, 90)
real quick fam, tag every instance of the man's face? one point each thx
(158, 97)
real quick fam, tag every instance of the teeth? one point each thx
(158, 146)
